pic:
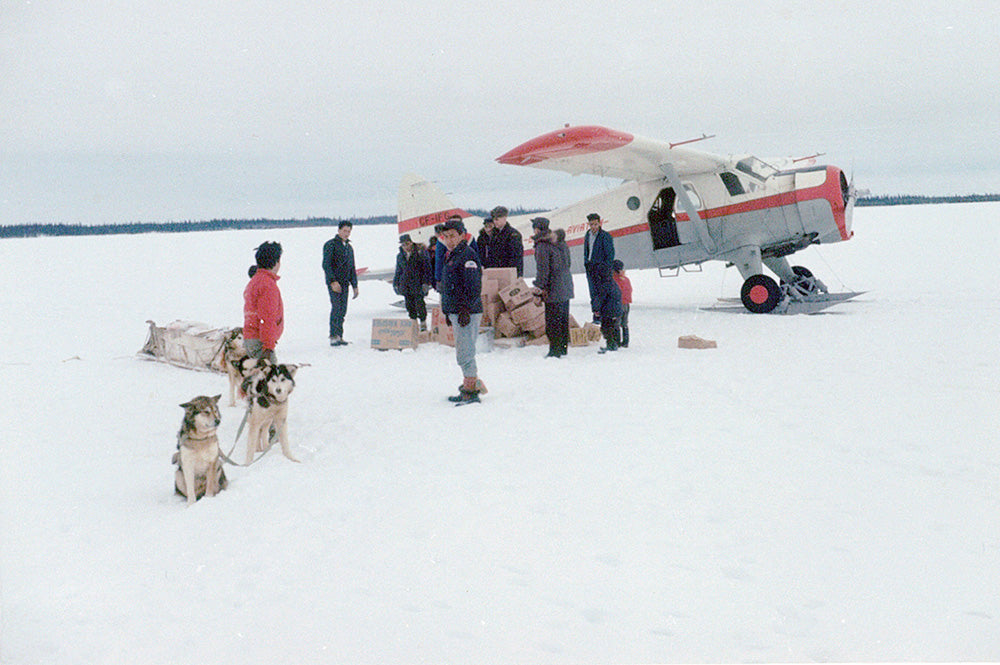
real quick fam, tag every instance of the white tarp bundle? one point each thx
(186, 344)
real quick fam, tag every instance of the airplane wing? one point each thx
(608, 152)
(386, 275)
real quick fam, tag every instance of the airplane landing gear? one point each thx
(804, 286)
(760, 294)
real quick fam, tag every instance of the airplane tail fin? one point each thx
(422, 205)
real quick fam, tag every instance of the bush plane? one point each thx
(677, 208)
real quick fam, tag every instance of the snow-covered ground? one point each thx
(816, 488)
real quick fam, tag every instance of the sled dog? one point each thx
(268, 388)
(236, 363)
(199, 467)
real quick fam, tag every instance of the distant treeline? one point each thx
(908, 199)
(33, 230)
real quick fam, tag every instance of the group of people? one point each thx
(453, 265)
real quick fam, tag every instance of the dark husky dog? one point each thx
(199, 466)
(236, 363)
(268, 388)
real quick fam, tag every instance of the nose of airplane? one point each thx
(849, 195)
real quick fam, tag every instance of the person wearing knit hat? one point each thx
(554, 283)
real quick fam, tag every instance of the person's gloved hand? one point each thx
(463, 317)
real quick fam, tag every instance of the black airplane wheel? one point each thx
(800, 272)
(760, 294)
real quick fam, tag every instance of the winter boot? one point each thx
(624, 343)
(468, 392)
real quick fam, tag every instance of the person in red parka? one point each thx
(625, 286)
(263, 311)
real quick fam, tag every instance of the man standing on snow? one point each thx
(506, 249)
(554, 282)
(338, 266)
(598, 255)
(462, 305)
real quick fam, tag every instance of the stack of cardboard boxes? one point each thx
(510, 306)
(512, 312)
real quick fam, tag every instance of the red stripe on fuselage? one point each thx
(829, 191)
(430, 219)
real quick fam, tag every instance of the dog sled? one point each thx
(187, 344)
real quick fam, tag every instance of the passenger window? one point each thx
(695, 200)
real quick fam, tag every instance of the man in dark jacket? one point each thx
(413, 278)
(338, 266)
(608, 303)
(462, 305)
(506, 249)
(554, 282)
(598, 251)
(483, 242)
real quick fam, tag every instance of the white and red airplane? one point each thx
(676, 207)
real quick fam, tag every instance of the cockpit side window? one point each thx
(732, 183)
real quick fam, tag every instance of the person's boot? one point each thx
(467, 392)
(624, 343)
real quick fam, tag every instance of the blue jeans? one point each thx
(338, 309)
(465, 343)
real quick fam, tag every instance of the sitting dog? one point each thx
(268, 388)
(236, 362)
(199, 467)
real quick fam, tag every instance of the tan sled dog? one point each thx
(268, 388)
(199, 466)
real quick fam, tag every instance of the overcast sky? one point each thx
(120, 111)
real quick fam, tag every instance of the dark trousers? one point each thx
(557, 327)
(416, 308)
(338, 310)
(609, 328)
(623, 326)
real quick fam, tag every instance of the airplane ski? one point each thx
(810, 305)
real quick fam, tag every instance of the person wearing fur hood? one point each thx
(554, 283)
(412, 279)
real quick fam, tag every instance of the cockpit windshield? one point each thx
(756, 168)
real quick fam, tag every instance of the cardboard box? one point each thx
(440, 331)
(535, 326)
(505, 326)
(491, 310)
(578, 337)
(695, 342)
(491, 289)
(537, 341)
(526, 312)
(504, 277)
(573, 323)
(395, 334)
(593, 331)
(516, 294)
